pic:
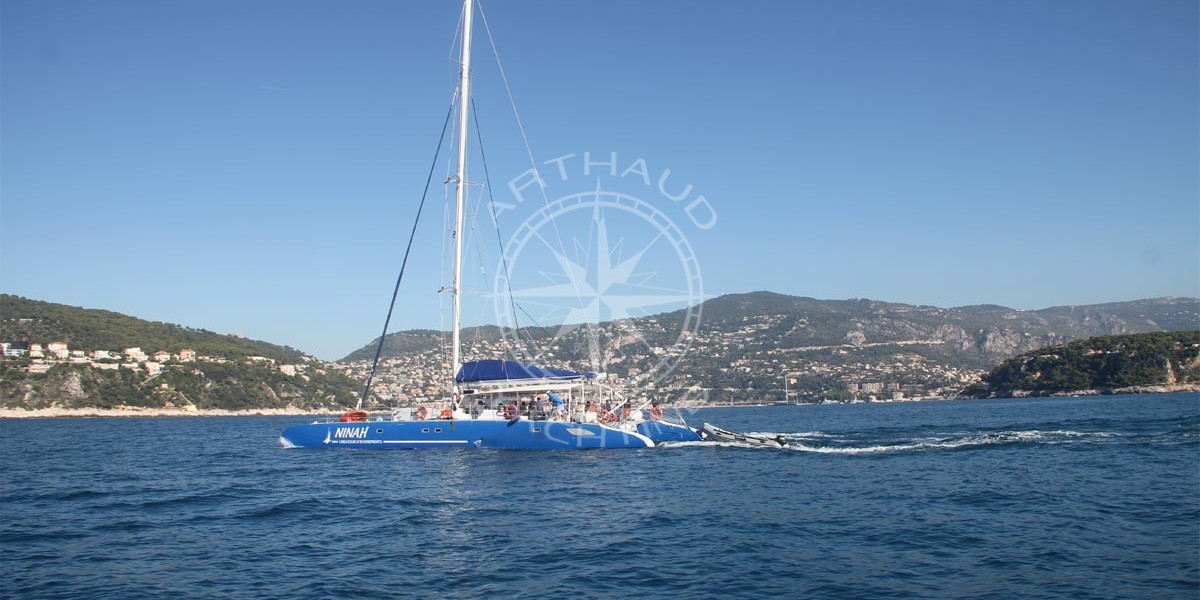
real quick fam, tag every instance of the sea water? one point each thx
(1035, 498)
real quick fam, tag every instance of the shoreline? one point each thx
(142, 412)
(1172, 388)
(139, 412)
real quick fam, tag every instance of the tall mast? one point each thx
(464, 99)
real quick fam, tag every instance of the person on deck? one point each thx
(557, 402)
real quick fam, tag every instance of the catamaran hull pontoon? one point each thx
(518, 434)
(666, 431)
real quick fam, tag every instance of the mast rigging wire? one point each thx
(528, 151)
(404, 263)
(499, 238)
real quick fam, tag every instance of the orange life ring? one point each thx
(355, 416)
(446, 414)
(510, 411)
(656, 413)
(422, 412)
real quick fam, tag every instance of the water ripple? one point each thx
(1046, 498)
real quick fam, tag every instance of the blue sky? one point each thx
(254, 167)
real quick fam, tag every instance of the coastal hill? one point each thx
(746, 345)
(976, 336)
(59, 356)
(1097, 365)
(968, 336)
(93, 329)
(747, 348)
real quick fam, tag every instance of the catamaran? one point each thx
(504, 404)
(496, 403)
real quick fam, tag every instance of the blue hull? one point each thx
(522, 434)
(665, 431)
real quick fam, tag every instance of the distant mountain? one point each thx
(1098, 363)
(419, 340)
(976, 336)
(747, 346)
(752, 342)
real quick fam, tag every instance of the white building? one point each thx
(58, 350)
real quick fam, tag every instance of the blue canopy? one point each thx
(493, 370)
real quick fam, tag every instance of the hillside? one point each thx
(748, 347)
(417, 341)
(92, 329)
(1098, 363)
(969, 336)
(746, 344)
(186, 368)
(197, 385)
